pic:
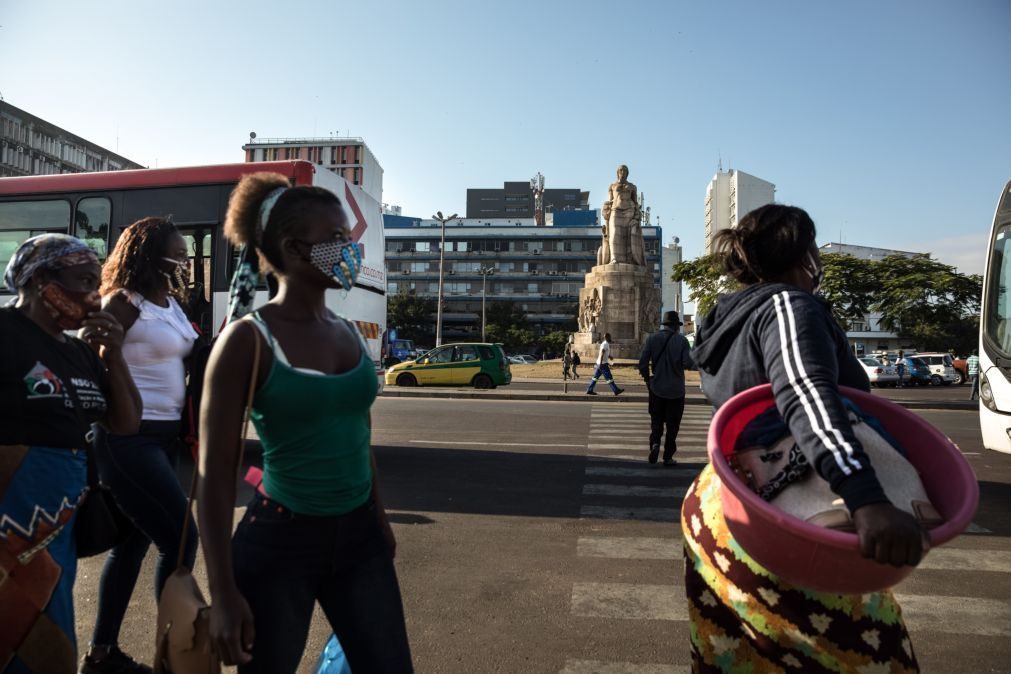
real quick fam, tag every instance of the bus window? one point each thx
(91, 223)
(20, 220)
(997, 321)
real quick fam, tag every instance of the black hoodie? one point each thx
(776, 333)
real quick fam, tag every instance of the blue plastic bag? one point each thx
(332, 660)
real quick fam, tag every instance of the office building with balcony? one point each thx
(348, 157)
(730, 196)
(541, 269)
(31, 146)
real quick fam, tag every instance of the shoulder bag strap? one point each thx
(250, 394)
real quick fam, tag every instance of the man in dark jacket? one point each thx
(665, 356)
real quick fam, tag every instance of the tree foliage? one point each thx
(928, 303)
(412, 316)
(507, 323)
(705, 282)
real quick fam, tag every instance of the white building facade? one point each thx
(730, 196)
(867, 335)
(670, 290)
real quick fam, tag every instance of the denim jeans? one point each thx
(140, 471)
(286, 562)
(603, 370)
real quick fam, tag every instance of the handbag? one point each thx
(781, 470)
(99, 523)
(182, 635)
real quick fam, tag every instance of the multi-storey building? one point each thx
(30, 145)
(730, 196)
(516, 200)
(867, 334)
(348, 157)
(540, 268)
(670, 290)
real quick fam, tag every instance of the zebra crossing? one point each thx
(621, 487)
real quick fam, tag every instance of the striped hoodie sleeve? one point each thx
(801, 363)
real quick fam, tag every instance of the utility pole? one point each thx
(485, 272)
(438, 217)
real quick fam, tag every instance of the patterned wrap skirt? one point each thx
(744, 619)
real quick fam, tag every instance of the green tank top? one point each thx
(314, 429)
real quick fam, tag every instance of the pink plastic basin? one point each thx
(822, 559)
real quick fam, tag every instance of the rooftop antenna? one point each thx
(720, 165)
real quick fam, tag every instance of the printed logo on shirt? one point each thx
(43, 383)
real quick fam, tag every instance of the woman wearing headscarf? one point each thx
(53, 387)
(776, 331)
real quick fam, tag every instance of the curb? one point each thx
(392, 392)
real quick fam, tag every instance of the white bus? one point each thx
(995, 333)
(96, 207)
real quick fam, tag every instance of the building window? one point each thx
(422, 246)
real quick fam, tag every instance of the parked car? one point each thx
(942, 370)
(961, 370)
(917, 371)
(525, 359)
(401, 350)
(879, 375)
(470, 364)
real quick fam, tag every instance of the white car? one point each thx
(880, 375)
(523, 360)
(942, 368)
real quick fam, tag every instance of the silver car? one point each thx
(880, 375)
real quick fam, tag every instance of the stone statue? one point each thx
(622, 224)
(590, 312)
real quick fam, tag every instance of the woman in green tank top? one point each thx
(316, 531)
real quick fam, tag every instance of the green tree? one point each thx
(705, 282)
(507, 323)
(928, 302)
(412, 316)
(556, 340)
(849, 286)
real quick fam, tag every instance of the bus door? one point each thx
(995, 333)
(200, 244)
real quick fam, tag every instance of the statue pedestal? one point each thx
(620, 299)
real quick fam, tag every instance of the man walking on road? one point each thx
(972, 369)
(665, 356)
(603, 368)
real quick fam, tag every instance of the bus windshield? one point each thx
(997, 318)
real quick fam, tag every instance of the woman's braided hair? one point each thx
(135, 263)
(766, 243)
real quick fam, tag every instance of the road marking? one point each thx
(974, 528)
(633, 490)
(956, 615)
(963, 559)
(629, 601)
(628, 445)
(656, 471)
(491, 444)
(629, 547)
(628, 513)
(574, 666)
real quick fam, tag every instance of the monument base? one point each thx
(620, 299)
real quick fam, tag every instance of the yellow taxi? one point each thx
(478, 365)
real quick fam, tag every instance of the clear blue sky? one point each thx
(888, 121)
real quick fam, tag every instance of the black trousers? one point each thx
(665, 412)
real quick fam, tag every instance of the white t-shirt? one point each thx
(604, 356)
(154, 348)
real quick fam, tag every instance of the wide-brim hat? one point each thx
(670, 318)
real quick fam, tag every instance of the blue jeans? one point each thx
(286, 562)
(140, 471)
(604, 371)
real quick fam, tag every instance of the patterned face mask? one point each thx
(341, 261)
(178, 278)
(69, 307)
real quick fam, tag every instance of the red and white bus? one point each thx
(96, 207)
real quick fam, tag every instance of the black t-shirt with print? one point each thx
(35, 372)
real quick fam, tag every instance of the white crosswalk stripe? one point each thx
(574, 666)
(633, 490)
(623, 547)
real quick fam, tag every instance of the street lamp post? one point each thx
(438, 217)
(485, 272)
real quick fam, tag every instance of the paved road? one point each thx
(534, 538)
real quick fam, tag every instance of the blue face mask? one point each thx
(340, 261)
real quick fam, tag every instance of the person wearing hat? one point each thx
(665, 356)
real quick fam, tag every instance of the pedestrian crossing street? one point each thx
(620, 486)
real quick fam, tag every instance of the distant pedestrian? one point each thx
(900, 369)
(665, 356)
(603, 368)
(972, 368)
(575, 364)
(566, 363)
